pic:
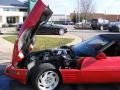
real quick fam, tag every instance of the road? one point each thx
(7, 83)
(84, 34)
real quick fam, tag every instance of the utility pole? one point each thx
(117, 16)
(31, 4)
(78, 10)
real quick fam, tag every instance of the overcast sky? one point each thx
(67, 6)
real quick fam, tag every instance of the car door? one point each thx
(105, 70)
(39, 15)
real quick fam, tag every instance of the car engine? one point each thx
(59, 57)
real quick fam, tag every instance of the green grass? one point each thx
(10, 38)
(44, 42)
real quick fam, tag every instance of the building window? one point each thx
(9, 9)
(23, 10)
(6, 9)
(11, 20)
(24, 18)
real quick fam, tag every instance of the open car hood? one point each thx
(39, 15)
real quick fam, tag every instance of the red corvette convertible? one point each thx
(96, 60)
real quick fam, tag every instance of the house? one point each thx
(12, 12)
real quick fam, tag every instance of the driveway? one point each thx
(6, 49)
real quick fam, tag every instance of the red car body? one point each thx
(99, 69)
(94, 71)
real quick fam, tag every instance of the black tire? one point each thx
(49, 73)
(94, 28)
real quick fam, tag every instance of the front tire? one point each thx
(94, 28)
(46, 78)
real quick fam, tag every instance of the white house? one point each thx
(12, 12)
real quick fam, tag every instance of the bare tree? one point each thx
(86, 8)
(73, 17)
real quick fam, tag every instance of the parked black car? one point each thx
(94, 24)
(49, 29)
(114, 27)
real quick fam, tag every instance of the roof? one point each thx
(15, 3)
(111, 37)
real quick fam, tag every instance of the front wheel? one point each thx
(46, 78)
(101, 28)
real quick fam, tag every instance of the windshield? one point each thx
(89, 47)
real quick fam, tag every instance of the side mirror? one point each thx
(101, 55)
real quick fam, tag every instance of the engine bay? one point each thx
(59, 57)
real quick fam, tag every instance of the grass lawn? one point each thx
(44, 42)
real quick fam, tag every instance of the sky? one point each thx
(68, 6)
(108, 6)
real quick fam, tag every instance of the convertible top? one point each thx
(111, 37)
(91, 46)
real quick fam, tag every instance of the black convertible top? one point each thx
(111, 37)
(86, 48)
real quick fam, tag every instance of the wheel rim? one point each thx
(101, 27)
(61, 32)
(48, 80)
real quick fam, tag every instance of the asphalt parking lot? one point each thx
(7, 83)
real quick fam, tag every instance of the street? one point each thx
(84, 34)
(7, 83)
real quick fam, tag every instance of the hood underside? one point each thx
(39, 15)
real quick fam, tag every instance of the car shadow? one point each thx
(7, 83)
(17, 86)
